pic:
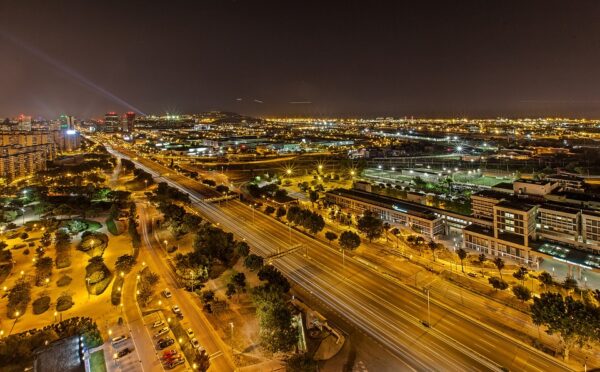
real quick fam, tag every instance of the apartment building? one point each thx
(23, 153)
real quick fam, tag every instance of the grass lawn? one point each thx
(97, 363)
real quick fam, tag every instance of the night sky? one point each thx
(350, 58)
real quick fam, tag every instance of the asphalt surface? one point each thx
(388, 311)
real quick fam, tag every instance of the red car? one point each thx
(169, 354)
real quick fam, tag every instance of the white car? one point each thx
(117, 340)
(176, 309)
(161, 332)
(190, 332)
(195, 344)
(167, 293)
(158, 323)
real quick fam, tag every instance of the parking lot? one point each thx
(158, 326)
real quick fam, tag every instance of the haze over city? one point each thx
(423, 59)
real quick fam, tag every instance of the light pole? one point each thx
(231, 325)
(428, 308)
(87, 282)
(23, 210)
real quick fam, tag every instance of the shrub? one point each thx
(18, 298)
(64, 302)
(26, 252)
(96, 277)
(117, 289)
(62, 261)
(41, 305)
(111, 226)
(64, 281)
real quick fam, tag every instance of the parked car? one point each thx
(195, 344)
(174, 363)
(122, 353)
(190, 332)
(161, 332)
(169, 355)
(164, 343)
(158, 323)
(117, 340)
(167, 293)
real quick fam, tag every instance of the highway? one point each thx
(388, 311)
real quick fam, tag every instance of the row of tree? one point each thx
(311, 221)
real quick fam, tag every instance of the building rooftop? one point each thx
(492, 194)
(533, 182)
(478, 229)
(565, 177)
(512, 204)
(387, 202)
(559, 208)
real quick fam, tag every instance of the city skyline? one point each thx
(322, 60)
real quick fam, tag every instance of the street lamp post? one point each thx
(231, 325)
(87, 282)
(428, 308)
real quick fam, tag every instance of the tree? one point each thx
(253, 262)
(499, 262)
(575, 322)
(269, 209)
(570, 284)
(521, 292)
(498, 283)
(43, 270)
(242, 248)
(481, 258)
(125, 263)
(202, 361)
(207, 296)
(462, 254)
(386, 229)
(313, 196)
(433, 246)
(521, 274)
(46, 238)
(546, 279)
(191, 222)
(314, 223)
(277, 331)
(24, 236)
(349, 240)
(18, 298)
(293, 214)
(239, 280)
(230, 290)
(370, 225)
(274, 278)
(330, 236)
(280, 212)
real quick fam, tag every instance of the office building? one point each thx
(127, 121)
(111, 123)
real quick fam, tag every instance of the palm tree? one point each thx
(386, 228)
(433, 246)
(546, 279)
(462, 254)
(481, 258)
(396, 232)
(499, 262)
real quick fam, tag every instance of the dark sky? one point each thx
(350, 58)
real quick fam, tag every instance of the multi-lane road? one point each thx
(388, 311)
